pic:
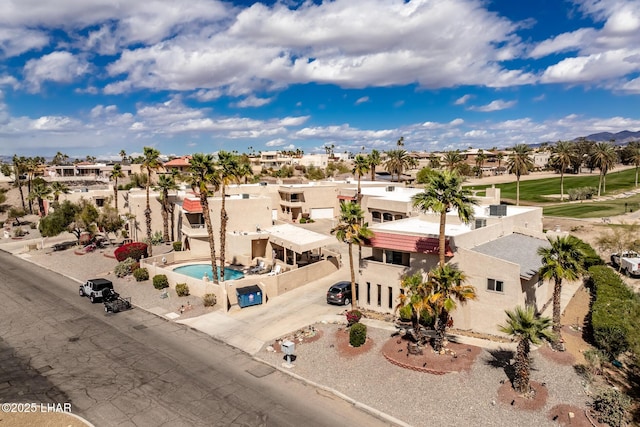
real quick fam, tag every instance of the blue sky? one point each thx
(94, 77)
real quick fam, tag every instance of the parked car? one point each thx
(339, 293)
(95, 289)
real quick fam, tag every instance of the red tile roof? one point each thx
(192, 205)
(406, 243)
(179, 162)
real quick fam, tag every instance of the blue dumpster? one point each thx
(249, 295)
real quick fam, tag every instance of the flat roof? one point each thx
(419, 226)
(297, 238)
(518, 249)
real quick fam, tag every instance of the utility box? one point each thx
(249, 295)
(288, 347)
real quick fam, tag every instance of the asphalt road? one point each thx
(133, 368)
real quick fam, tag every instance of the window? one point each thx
(368, 293)
(375, 216)
(398, 258)
(379, 295)
(390, 297)
(387, 217)
(495, 285)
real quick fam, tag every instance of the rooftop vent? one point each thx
(391, 187)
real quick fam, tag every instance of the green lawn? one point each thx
(534, 191)
(537, 192)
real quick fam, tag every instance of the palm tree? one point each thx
(480, 158)
(416, 294)
(520, 163)
(166, 183)
(228, 170)
(562, 155)
(59, 188)
(150, 162)
(446, 285)
(374, 160)
(603, 156)
(123, 155)
(203, 174)
(398, 161)
(452, 160)
(351, 230)
(563, 259)
(360, 167)
(632, 155)
(444, 192)
(39, 192)
(499, 158)
(527, 329)
(19, 169)
(116, 173)
(31, 165)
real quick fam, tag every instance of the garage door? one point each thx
(321, 213)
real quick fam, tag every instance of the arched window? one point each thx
(375, 216)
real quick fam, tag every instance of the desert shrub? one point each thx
(32, 226)
(182, 289)
(19, 232)
(141, 274)
(135, 250)
(209, 300)
(353, 316)
(405, 312)
(177, 246)
(157, 239)
(358, 334)
(160, 281)
(611, 407)
(126, 267)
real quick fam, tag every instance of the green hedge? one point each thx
(160, 281)
(615, 313)
(358, 334)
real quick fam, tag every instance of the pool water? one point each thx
(198, 271)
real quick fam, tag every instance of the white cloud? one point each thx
(362, 100)
(276, 142)
(463, 99)
(56, 67)
(496, 105)
(253, 101)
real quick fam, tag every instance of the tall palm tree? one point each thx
(204, 174)
(166, 183)
(563, 259)
(116, 174)
(123, 155)
(19, 169)
(57, 189)
(604, 157)
(374, 160)
(40, 191)
(31, 167)
(228, 170)
(562, 155)
(520, 163)
(632, 155)
(150, 163)
(352, 230)
(480, 159)
(499, 158)
(452, 160)
(527, 329)
(444, 192)
(447, 288)
(360, 167)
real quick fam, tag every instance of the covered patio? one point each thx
(297, 246)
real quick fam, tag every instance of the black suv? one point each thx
(339, 293)
(95, 289)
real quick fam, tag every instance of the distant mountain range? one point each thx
(620, 138)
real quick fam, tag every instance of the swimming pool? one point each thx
(198, 271)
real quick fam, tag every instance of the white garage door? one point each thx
(321, 213)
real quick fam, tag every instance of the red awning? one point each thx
(406, 243)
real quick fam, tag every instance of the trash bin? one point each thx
(249, 295)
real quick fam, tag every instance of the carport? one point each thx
(297, 246)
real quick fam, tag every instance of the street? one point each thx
(134, 368)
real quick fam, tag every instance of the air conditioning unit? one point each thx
(263, 184)
(498, 210)
(481, 222)
(391, 187)
(245, 196)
